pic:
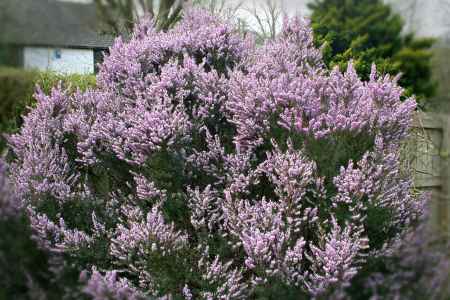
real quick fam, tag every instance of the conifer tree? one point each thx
(368, 31)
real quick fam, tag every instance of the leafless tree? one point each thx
(268, 17)
(118, 16)
(227, 10)
(218, 7)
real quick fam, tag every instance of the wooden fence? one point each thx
(430, 155)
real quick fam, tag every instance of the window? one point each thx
(99, 55)
(57, 53)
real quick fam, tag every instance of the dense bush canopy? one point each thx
(202, 167)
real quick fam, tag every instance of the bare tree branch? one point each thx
(220, 7)
(225, 10)
(268, 18)
(119, 16)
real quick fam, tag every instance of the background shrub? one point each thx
(16, 90)
(17, 87)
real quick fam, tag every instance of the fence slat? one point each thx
(427, 121)
(445, 176)
(426, 183)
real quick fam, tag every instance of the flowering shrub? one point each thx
(202, 167)
(24, 267)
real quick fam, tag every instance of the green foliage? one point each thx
(16, 90)
(367, 31)
(17, 87)
(29, 275)
(25, 255)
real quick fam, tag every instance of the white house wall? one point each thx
(61, 60)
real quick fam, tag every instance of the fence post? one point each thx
(444, 197)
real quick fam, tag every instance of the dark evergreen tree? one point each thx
(368, 31)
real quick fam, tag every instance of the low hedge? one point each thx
(17, 87)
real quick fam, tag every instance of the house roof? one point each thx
(51, 23)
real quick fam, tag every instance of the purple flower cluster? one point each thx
(417, 265)
(209, 168)
(108, 286)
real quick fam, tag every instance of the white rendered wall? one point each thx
(69, 61)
